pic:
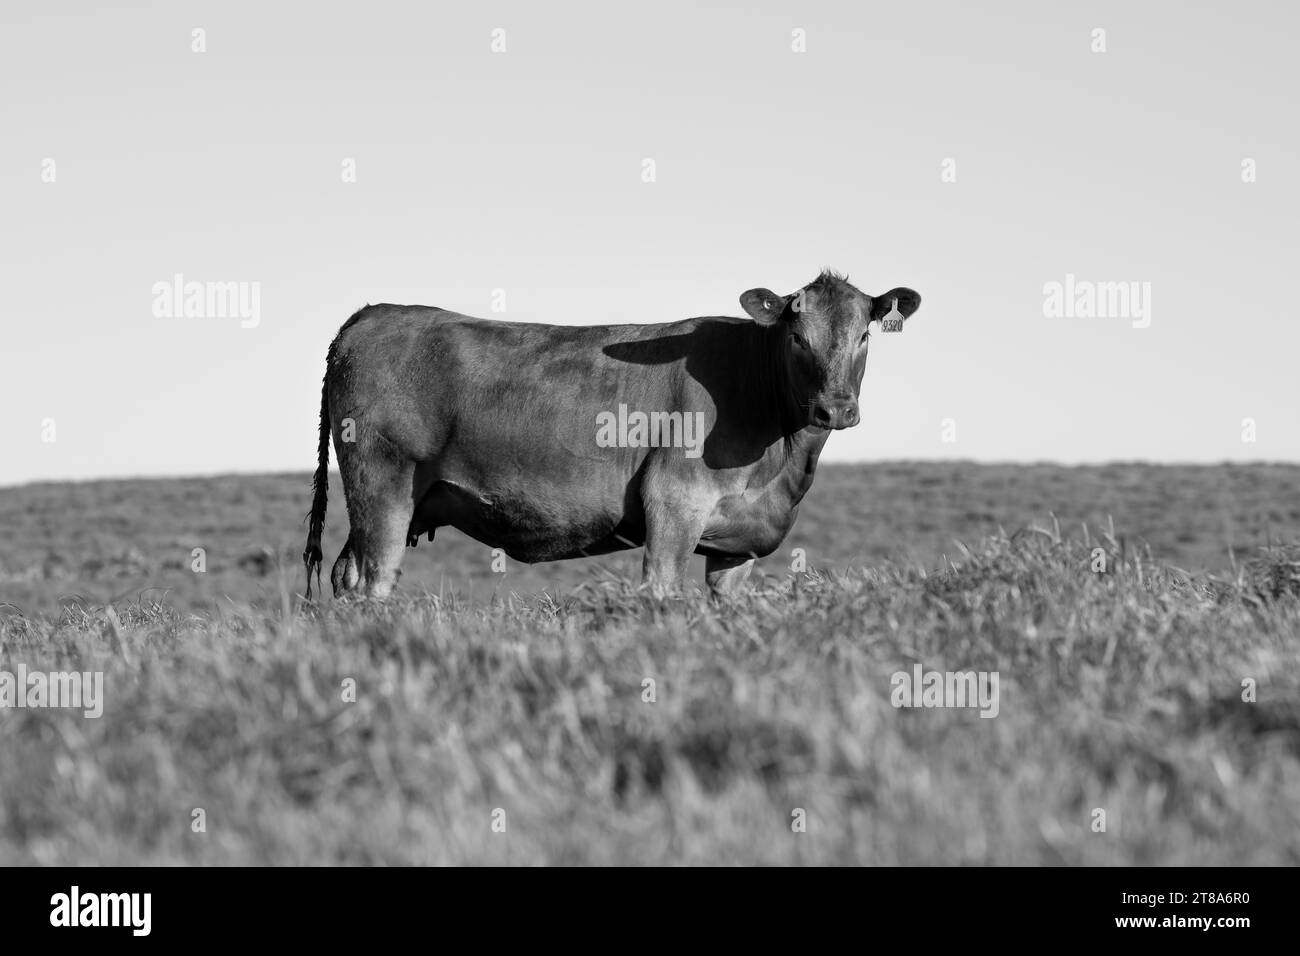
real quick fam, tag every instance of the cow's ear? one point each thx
(883, 304)
(763, 305)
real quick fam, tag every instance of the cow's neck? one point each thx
(796, 446)
(798, 462)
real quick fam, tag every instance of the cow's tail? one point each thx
(320, 484)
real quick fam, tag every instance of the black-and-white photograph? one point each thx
(766, 434)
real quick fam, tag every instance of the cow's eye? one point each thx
(865, 336)
(798, 340)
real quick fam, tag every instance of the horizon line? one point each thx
(852, 463)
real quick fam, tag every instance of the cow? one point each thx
(553, 442)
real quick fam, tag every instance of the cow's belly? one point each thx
(531, 521)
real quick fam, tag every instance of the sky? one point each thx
(585, 163)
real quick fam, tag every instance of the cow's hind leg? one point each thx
(345, 577)
(378, 486)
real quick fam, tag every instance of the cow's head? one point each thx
(824, 340)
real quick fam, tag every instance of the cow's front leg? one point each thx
(727, 575)
(672, 534)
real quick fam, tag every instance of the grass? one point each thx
(100, 542)
(1119, 691)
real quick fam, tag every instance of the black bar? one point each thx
(332, 906)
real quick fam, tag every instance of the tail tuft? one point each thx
(312, 556)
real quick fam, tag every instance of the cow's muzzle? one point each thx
(835, 414)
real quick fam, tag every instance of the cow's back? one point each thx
(527, 385)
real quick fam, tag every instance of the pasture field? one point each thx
(524, 698)
(111, 541)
